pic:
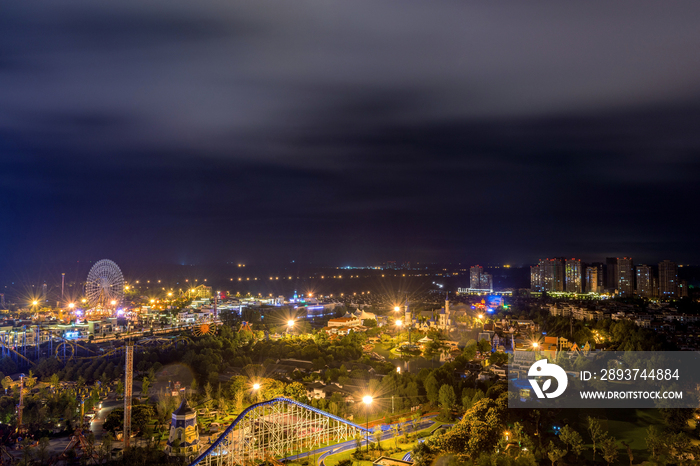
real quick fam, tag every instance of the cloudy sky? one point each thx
(348, 132)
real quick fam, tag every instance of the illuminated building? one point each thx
(668, 279)
(645, 282)
(573, 275)
(548, 275)
(480, 281)
(625, 273)
(183, 439)
(682, 289)
(592, 280)
(536, 283)
(552, 274)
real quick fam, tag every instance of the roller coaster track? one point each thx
(119, 351)
(17, 354)
(274, 428)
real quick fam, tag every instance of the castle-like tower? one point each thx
(184, 433)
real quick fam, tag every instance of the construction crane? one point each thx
(128, 380)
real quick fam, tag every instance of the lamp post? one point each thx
(290, 324)
(367, 400)
(256, 389)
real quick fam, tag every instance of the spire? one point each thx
(184, 409)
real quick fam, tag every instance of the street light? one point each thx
(34, 303)
(256, 386)
(397, 308)
(71, 305)
(535, 345)
(367, 400)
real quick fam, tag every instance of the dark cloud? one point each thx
(349, 132)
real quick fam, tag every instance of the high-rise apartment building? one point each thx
(480, 280)
(645, 281)
(548, 275)
(536, 283)
(625, 273)
(592, 280)
(573, 275)
(475, 276)
(668, 279)
(682, 289)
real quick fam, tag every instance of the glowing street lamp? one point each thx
(367, 400)
(34, 303)
(113, 303)
(256, 386)
(71, 305)
(535, 345)
(399, 323)
(397, 308)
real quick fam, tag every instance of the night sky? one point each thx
(348, 132)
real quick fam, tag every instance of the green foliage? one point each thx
(555, 453)
(608, 448)
(432, 389)
(595, 432)
(484, 346)
(655, 441)
(479, 430)
(677, 418)
(572, 440)
(140, 417)
(498, 358)
(447, 397)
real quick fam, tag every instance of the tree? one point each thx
(295, 391)
(608, 448)
(432, 389)
(572, 439)
(498, 358)
(6, 383)
(680, 448)
(595, 431)
(120, 388)
(555, 453)
(54, 380)
(378, 438)
(484, 346)
(30, 380)
(145, 385)
(42, 451)
(395, 430)
(237, 388)
(447, 397)
(140, 417)
(677, 418)
(27, 451)
(655, 441)
(469, 351)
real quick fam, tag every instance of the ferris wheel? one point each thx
(105, 285)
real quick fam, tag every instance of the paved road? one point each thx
(99, 419)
